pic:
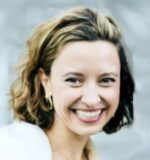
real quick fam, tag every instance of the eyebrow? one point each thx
(81, 75)
(73, 73)
(109, 73)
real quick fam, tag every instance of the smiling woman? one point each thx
(85, 96)
(74, 83)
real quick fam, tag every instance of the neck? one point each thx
(66, 144)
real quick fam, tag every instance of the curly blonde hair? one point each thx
(82, 24)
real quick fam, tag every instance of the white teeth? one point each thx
(88, 114)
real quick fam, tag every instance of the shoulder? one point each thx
(21, 140)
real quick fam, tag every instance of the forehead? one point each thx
(80, 55)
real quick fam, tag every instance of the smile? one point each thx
(88, 116)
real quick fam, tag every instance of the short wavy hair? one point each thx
(81, 24)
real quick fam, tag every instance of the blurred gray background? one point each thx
(17, 19)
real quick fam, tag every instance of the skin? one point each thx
(85, 85)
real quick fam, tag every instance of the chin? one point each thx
(89, 132)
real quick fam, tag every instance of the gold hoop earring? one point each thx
(49, 101)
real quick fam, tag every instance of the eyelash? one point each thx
(73, 80)
(107, 80)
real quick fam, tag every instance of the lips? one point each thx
(88, 115)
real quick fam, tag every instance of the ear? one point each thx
(45, 81)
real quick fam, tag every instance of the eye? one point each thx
(73, 81)
(107, 81)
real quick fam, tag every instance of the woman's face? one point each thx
(85, 85)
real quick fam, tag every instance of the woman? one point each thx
(74, 83)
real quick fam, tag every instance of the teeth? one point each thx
(88, 114)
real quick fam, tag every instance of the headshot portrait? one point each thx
(74, 84)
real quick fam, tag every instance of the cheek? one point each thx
(65, 96)
(112, 97)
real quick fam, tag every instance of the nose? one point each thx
(90, 96)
